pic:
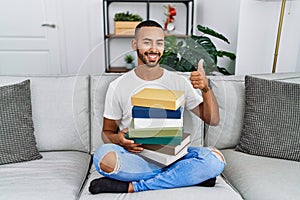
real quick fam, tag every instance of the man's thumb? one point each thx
(200, 65)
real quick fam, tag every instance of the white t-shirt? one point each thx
(118, 98)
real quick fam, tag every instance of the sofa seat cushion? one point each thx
(222, 189)
(58, 175)
(257, 177)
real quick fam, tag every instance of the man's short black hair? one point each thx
(147, 23)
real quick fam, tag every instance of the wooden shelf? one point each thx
(131, 36)
(117, 70)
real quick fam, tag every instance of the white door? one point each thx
(29, 42)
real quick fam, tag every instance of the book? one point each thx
(162, 158)
(154, 132)
(171, 141)
(158, 98)
(168, 149)
(156, 122)
(146, 112)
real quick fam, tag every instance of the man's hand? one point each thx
(198, 78)
(128, 144)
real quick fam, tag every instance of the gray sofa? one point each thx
(67, 116)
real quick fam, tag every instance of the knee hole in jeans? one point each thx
(109, 162)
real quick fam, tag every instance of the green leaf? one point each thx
(127, 17)
(230, 55)
(211, 32)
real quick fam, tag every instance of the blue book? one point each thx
(146, 112)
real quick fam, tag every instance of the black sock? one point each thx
(208, 183)
(107, 185)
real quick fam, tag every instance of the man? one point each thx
(117, 160)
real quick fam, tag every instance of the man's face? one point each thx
(149, 45)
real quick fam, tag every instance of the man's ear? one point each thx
(134, 44)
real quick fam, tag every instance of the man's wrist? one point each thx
(205, 89)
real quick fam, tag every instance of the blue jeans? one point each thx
(195, 167)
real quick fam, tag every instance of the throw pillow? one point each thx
(17, 140)
(271, 124)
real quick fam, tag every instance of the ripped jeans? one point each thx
(200, 164)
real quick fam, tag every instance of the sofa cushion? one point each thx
(17, 140)
(99, 85)
(230, 94)
(222, 189)
(59, 175)
(271, 121)
(60, 110)
(263, 178)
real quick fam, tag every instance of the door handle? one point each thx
(49, 25)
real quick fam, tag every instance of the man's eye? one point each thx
(147, 43)
(160, 44)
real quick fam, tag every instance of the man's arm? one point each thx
(110, 135)
(208, 110)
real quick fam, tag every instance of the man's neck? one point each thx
(149, 73)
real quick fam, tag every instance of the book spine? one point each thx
(171, 141)
(146, 112)
(153, 103)
(156, 123)
(155, 132)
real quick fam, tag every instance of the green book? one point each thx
(154, 132)
(171, 141)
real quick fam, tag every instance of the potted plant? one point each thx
(129, 61)
(184, 55)
(125, 23)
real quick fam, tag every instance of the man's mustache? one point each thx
(153, 53)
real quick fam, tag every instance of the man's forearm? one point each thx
(210, 108)
(109, 137)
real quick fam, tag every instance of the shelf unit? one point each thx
(189, 6)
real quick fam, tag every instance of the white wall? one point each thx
(223, 17)
(257, 36)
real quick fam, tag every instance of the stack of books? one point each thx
(157, 123)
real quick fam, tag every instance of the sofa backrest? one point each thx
(230, 94)
(60, 109)
(99, 85)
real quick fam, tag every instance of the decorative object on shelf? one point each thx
(125, 23)
(129, 61)
(185, 55)
(170, 21)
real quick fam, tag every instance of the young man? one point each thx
(124, 170)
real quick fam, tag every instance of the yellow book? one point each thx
(158, 98)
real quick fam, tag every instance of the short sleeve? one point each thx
(112, 108)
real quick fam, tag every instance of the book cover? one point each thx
(171, 141)
(170, 150)
(146, 112)
(158, 98)
(154, 132)
(162, 158)
(156, 122)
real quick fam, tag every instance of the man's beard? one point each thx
(142, 57)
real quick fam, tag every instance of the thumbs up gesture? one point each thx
(198, 78)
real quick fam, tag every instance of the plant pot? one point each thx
(129, 65)
(125, 27)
